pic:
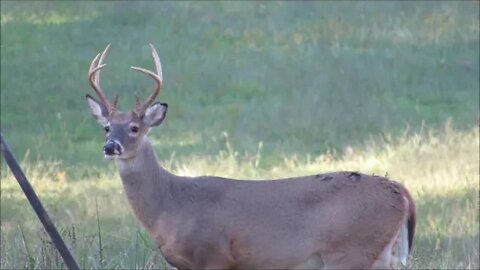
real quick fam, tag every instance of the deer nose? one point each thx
(111, 148)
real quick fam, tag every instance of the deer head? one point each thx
(125, 130)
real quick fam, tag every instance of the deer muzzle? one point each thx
(112, 148)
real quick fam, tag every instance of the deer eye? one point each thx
(134, 129)
(107, 129)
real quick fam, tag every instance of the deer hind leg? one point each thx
(396, 252)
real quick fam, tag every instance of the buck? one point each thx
(338, 220)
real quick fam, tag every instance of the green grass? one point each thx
(255, 90)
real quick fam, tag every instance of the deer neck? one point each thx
(146, 184)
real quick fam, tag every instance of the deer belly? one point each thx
(268, 253)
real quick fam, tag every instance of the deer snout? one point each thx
(112, 148)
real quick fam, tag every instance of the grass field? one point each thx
(255, 90)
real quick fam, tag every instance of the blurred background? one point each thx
(255, 90)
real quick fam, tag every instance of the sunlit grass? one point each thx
(440, 167)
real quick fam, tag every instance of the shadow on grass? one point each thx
(447, 233)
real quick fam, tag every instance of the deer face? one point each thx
(125, 131)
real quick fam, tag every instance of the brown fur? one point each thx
(346, 218)
(341, 220)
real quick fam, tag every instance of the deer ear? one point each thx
(98, 110)
(155, 114)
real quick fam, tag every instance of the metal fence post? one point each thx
(37, 206)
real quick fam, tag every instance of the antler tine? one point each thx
(92, 65)
(100, 63)
(115, 101)
(158, 77)
(94, 78)
(156, 60)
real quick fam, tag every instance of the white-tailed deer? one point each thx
(334, 220)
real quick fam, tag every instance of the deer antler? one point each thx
(142, 106)
(94, 78)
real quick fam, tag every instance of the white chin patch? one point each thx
(110, 157)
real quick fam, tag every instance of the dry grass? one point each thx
(440, 167)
